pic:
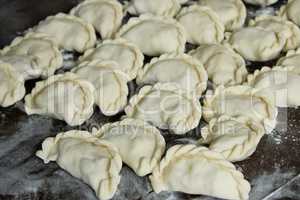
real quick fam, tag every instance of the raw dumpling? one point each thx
(70, 32)
(110, 84)
(65, 97)
(26, 66)
(261, 2)
(235, 138)
(279, 84)
(240, 100)
(94, 161)
(291, 11)
(257, 44)
(231, 12)
(155, 7)
(128, 56)
(166, 107)
(223, 65)
(181, 69)
(202, 25)
(197, 170)
(292, 59)
(155, 35)
(43, 51)
(12, 87)
(141, 145)
(105, 15)
(277, 24)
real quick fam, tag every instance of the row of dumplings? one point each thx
(97, 158)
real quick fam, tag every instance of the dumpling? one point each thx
(235, 138)
(197, 170)
(166, 107)
(65, 97)
(231, 12)
(105, 15)
(277, 24)
(240, 100)
(155, 7)
(291, 11)
(257, 44)
(292, 59)
(181, 69)
(26, 66)
(12, 87)
(141, 145)
(279, 84)
(149, 33)
(261, 2)
(223, 65)
(110, 84)
(94, 161)
(43, 51)
(70, 32)
(202, 25)
(128, 56)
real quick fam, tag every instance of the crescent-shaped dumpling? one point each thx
(223, 65)
(40, 49)
(235, 138)
(65, 97)
(291, 11)
(231, 12)
(291, 59)
(70, 32)
(181, 69)
(149, 32)
(202, 25)
(279, 84)
(240, 100)
(12, 87)
(94, 161)
(128, 56)
(110, 84)
(197, 170)
(166, 107)
(141, 145)
(257, 43)
(105, 15)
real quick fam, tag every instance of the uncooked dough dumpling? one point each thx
(43, 55)
(141, 145)
(110, 84)
(85, 157)
(290, 31)
(235, 138)
(291, 59)
(202, 25)
(70, 32)
(166, 107)
(257, 44)
(154, 35)
(291, 11)
(105, 15)
(261, 2)
(181, 69)
(155, 7)
(12, 87)
(279, 84)
(65, 97)
(231, 12)
(128, 56)
(197, 170)
(240, 100)
(223, 65)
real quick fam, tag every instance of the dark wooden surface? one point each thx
(273, 170)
